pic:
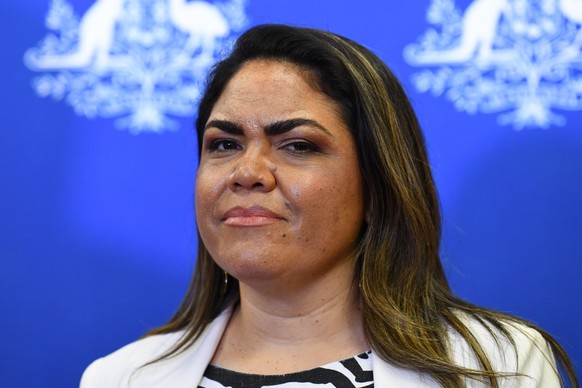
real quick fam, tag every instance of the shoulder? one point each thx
(117, 368)
(520, 351)
(127, 366)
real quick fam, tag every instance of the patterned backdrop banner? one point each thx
(138, 60)
(99, 155)
(521, 59)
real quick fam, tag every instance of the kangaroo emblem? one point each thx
(479, 28)
(518, 56)
(96, 35)
(134, 60)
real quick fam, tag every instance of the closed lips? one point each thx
(251, 216)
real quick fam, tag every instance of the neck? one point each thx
(283, 333)
(303, 316)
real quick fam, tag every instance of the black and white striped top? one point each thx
(355, 372)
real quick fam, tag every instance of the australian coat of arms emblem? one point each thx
(138, 61)
(521, 59)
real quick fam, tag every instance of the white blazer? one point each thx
(121, 369)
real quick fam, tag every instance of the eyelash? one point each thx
(215, 145)
(296, 147)
(304, 147)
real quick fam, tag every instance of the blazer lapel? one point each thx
(187, 368)
(387, 375)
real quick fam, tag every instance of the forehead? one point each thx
(272, 87)
(273, 72)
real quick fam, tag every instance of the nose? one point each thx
(252, 171)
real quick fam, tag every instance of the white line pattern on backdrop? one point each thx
(519, 58)
(138, 61)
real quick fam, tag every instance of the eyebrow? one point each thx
(273, 129)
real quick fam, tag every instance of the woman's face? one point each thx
(278, 190)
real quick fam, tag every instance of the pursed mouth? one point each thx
(250, 216)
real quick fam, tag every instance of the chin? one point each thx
(250, 264)
(256, 275)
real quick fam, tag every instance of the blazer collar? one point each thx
(187, 369)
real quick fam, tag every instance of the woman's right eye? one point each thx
(223, 145)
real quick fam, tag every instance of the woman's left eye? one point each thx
(300, 147)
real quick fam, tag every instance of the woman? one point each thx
(319, 235)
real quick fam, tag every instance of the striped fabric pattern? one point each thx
(355, 372)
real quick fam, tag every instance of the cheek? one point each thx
(211, 180)
(330, 202)
(206, 181)
(206, 192)
(199, 193)
(345, 198)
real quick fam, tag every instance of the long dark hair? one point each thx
(407, 304)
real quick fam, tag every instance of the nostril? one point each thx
(253, 172)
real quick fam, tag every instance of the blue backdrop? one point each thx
(97, 228)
